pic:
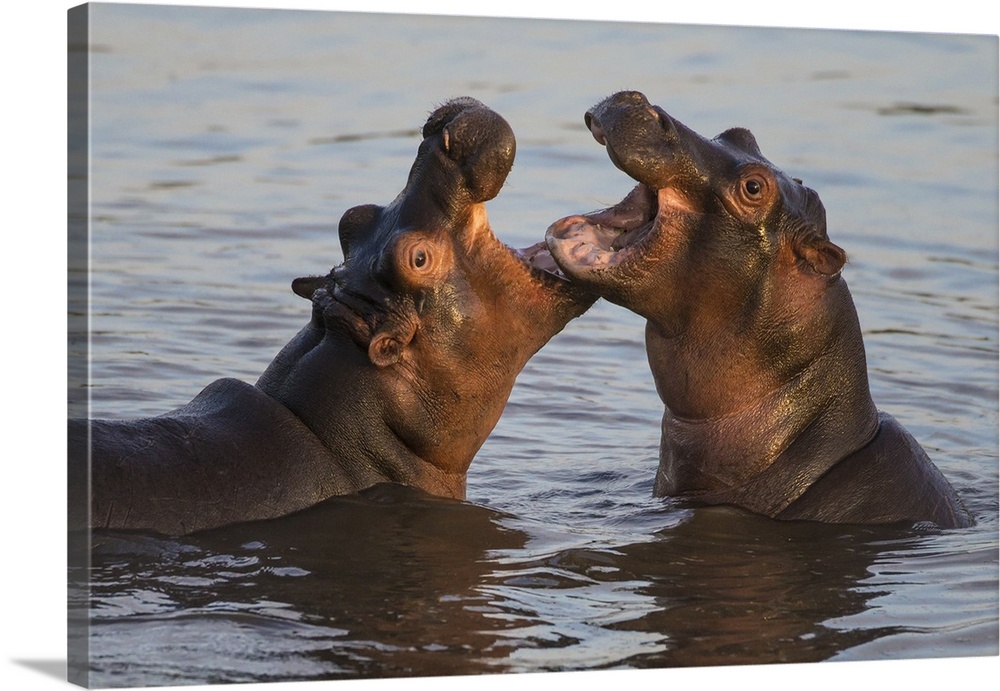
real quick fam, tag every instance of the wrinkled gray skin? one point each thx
(403, 371)
(752, 335)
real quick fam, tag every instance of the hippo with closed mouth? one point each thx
(751, 334)
(402, 372)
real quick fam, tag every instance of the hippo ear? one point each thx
(821, 255)
(355, 222)
(307, 285)
(387, 345)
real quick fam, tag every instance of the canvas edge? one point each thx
(78, 341)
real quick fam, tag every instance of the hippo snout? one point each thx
(626, 112)
(483, 145)
(478, 143)
(595, 128)
(640, 138)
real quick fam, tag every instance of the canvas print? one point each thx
(407, 346)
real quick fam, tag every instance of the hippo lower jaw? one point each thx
(539, 260)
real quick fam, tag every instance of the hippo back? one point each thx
(891, 480)
(164, 472)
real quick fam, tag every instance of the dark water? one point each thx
(226, 144)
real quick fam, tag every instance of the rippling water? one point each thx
(225, 146)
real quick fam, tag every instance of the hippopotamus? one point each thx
(410, 354)
(751, 333)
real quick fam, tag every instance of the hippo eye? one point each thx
(420, 262)
(753, 189)
(420, 258)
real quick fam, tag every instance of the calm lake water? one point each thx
(227, 143)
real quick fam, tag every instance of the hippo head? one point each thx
(443, 314)
(406, 265)
(710, 226)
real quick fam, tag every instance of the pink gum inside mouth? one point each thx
(584, 242)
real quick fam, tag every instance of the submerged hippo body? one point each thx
(404, 369)
(752, 336)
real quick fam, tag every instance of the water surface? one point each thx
(227, 143)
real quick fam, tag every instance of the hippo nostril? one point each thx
(666, 124)
(595, 129)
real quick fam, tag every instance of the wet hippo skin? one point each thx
(413, 347)
(751, 334)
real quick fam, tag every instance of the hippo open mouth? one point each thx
(606, 238)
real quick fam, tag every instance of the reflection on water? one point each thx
(396, 583)
(383, 584)
(226, 144)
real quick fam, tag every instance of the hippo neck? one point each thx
(538, 306)
(793, 417)
(516, 315)
(326, 380)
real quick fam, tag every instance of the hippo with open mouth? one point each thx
(403, 371)
(752, 336)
